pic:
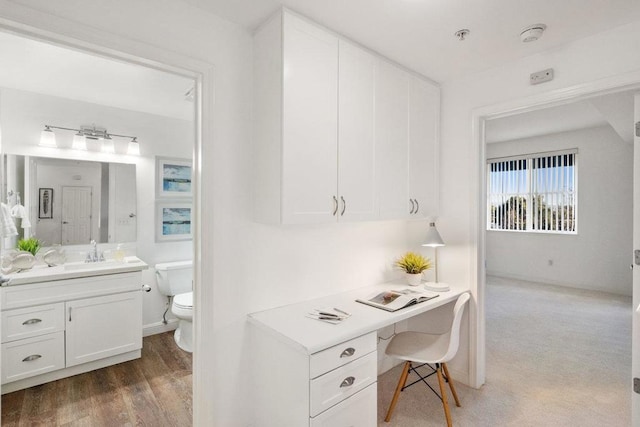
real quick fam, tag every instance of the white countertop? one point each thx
(289, 324)
(41, 272)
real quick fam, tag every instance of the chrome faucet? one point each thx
(92, 256)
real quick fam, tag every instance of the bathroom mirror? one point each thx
(69, 202)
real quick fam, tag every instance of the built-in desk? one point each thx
(312, 373)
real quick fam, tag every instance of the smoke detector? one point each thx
(532, 33)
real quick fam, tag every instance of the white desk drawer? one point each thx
(32, 321)
(335, 386)
(32, 356)
(333, 357)
(359, 410)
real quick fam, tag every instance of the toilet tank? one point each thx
(174, 277)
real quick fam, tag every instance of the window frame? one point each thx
(529, 194)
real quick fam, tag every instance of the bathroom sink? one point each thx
(74, 266)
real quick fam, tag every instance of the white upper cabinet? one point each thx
(356, 143)
(310, 124)
(424, 117)
(392, 140)
(339, 133)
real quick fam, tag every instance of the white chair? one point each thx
(428, 349)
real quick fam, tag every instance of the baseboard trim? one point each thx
(532, 279)
(159, 327)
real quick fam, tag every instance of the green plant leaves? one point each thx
(413, 263)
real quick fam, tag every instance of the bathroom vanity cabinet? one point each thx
(57, 328)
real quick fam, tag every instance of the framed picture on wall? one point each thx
(45, 204)
(173, 177)
(173, 221)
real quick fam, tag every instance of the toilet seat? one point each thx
(183, 300)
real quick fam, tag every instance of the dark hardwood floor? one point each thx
(154, 390)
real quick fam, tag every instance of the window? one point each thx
(535, 193)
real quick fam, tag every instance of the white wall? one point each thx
(597, 257)
(246, 266)
(23, 115)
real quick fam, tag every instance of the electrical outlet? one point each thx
(541, 76)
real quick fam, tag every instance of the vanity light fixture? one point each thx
(47, 137)
(91, 138)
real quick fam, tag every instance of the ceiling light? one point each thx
(532, 33)
(47, 137)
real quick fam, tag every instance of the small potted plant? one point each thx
(413, 265)
(31, 245)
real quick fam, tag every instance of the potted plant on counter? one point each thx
(413, 265)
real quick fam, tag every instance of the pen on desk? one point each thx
(323, 313)
(341, 311)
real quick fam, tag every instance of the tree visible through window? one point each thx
(536, 192)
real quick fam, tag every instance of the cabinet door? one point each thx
(356, 145)
(103, 326)
(310, 123)
(392, 140)
(424, 117)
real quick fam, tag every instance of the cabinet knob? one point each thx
(347, 382)
(31, 321)
(348, 352)
(31, 358)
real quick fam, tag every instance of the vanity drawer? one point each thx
(359, 410)
(335, 386)
(331, 358)
(32, 356)
(32, 321)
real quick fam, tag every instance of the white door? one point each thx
(356, 146)
(392, 140)
(103, 326)
(122, 203)
(76, 215)
(310, 124)
(636, 271)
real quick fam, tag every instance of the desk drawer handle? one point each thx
(348, 352)
(31, 358)
(31, 321)
(348, 382)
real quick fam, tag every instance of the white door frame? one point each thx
(83, 38)
(477, 337)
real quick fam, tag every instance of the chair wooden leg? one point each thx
(451, 386)
(443, 393)
(401, 382)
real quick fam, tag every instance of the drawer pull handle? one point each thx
(35, 357)
(348, 352)
(31, 321)
(348, 382)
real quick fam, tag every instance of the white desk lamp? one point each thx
(434, 240)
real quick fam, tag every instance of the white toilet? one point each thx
(175, 279)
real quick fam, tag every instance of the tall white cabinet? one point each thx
(340, 134)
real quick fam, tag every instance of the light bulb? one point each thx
(134, 148)
(79, 141)
(47, 137)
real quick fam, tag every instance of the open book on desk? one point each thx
(397, 299)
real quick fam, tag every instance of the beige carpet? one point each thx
(555, 357)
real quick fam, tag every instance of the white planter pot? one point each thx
(414, 279)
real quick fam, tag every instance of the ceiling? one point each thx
(615, 110)
(38, 67)
(419, 34)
